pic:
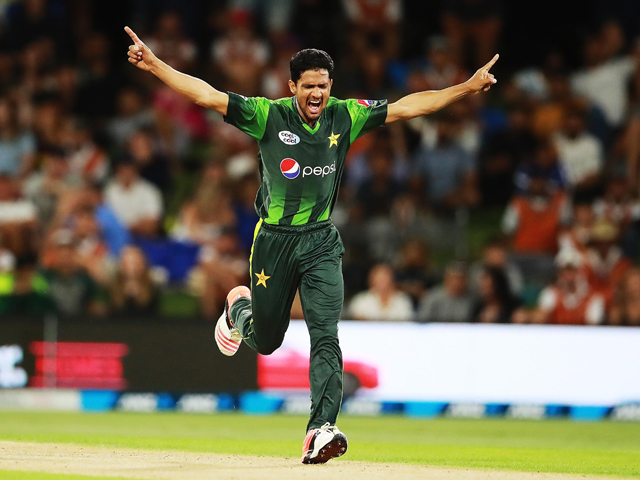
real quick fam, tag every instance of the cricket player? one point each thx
(303, 140)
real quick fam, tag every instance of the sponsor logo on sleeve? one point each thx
(289, 138)
(366, 103)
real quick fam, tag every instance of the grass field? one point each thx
(603, 448)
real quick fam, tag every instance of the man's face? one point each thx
(127, 174)
(455, 283)
(312, 93)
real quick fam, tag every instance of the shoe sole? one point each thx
(334, 449)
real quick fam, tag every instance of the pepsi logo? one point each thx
(288, 138)
(290, 168)
(365, 103)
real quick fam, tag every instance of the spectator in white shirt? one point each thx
(580, 153)
(382, 301)
(136, 202)
(605, 79)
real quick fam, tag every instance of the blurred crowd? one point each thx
(119, 197)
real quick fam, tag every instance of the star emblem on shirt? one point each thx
(262, 278)
(333, 139)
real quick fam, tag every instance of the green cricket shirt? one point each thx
(300, 166)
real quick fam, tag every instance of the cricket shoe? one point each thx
(322, 444)
(227, 336)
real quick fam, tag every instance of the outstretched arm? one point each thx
(196, 90)
(423, 103)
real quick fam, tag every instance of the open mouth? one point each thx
(314, 106)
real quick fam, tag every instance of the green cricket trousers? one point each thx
(307, 258)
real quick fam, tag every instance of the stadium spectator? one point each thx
(549, 111)
(97, 92)
(605, 264)
(496, 302)
(88, 161)
(169, 42)
(440, 69)
(275, 14)
(203, 218)
(23, 290)
(132, 114)
(570, 300)
(17, 145)
(377, 194)
(221, 266)
(47, 187)
(450, 302)
(500, 155)
(239, 54)
(533, 222)
(245, 212)
(576, 235)
(619, 206)
(382, 142)
(383, 301)
(495, 255)
(18, 219)
(447, 173)
(112, 229)
(605, 77)
(474, 24)
(414, 275)
(133, 291)
(467, 131)
(544, 165)
(70, 287)
(579, 152)
(136, 202)
(276, 76)
(92, 250)
(626, 307)
(152, 166)
(374, 21)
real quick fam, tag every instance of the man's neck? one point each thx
(312, 124)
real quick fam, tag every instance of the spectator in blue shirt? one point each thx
(446, 173)
(114, 232)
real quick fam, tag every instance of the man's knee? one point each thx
(268, 347)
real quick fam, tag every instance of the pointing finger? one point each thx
(491, 62)
(133, 36)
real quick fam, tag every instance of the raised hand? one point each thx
(139, 53)
(482, 79)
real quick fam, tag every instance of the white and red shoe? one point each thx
(227, 336)
(322, 444)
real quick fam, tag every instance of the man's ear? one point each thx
(292, 87)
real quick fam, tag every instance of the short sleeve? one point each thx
(366, 115)
(249, 114)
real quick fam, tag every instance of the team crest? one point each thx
(365, 103)
(289, 168)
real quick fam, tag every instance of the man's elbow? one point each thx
(398, 111)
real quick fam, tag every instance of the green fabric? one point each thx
(365, 118)
(311, 262)
(320, 153)
(249, 114)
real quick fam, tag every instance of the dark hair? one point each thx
(309, 59)
(501, 287)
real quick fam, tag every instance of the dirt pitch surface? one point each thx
(173, 465)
